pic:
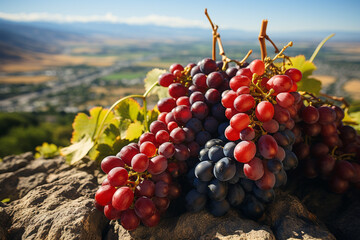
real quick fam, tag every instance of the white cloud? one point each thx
(158, 20)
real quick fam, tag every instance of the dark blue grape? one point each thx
(217, 190)
(282, 139)
(203, 154)
(200, 186)
(211, 124)
(265, 196)
(190, 175)
(214, 142)
(216, 153)
(252, 207)
(290, 161)
(235, 195)
(247, 184)
(224, 169)
(290, 135)
(280, 178)
(218, 112)
(238, 174)
(194, 124)
(274, 165)
(202, 137)
(229, 149)
(222, 127)
(195, 201)
(219, 208)
(204, 171)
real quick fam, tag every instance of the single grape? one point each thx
(267, 146)
(224, 169)
(144, 207)
(166, 79)
(157, 125)
(244, 102)
(177, 135)
(177, 90)
(199, 80)
(235, 195)
(254, 169)
(111, 162)
(166, 104)
(240, 121)
(245, 151)
(111, 213)
(157, 164)
(104, 194)
(310, 114)
(214, 80)
(161, 189)
(117, 176)
(122, 198)
(204, 171)
(145, 188)
(127, 153)
(140, 162)
(195, 201)
(148, 148)
(264, 111)
(129, 220)
(257, 66)
(215, 153)
(217, 190)
(200, 110)
(294, 74)
(219, 208)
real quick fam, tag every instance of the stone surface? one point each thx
(289, 218)
(55, 201)
(200, 225)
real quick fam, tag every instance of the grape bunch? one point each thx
(254, 149)
(326, 147)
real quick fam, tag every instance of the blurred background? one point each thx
(58, 58)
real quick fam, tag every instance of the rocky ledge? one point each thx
(52, 200)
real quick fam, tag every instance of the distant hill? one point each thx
(58, 31)
(17, 39)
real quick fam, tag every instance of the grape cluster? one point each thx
(255, 147)
(325, 146)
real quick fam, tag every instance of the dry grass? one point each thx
(353, 88)
(325, 79)
(26, 79)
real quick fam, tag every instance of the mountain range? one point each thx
(46, 36)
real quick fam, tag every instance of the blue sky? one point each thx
(287, 15)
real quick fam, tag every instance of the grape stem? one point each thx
(262, 37)
(217, 38)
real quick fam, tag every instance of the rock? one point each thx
(289, 218)
(55, 201)
(201, 225)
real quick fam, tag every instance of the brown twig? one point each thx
(262, 37)
(268, 38)
(339, 99)
(215, 34)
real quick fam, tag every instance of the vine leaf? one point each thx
(134, 130)
(128, 109)
(84, 129)
(78, 150)
(307, 83)
(151, 78)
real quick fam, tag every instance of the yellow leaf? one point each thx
(134, 131)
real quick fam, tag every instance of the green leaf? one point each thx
(85, 125)
(299, 62)
(352, 119)
(151, 78)
(134, 130)
(78, 150)
(47, 150)
(128, 109)
(309, 85)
